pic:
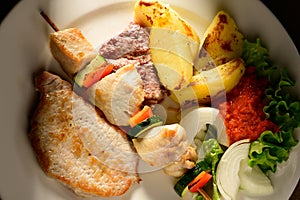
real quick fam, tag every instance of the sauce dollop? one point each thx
(243, 108)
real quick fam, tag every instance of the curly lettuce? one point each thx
(254, 54)
(282, 109)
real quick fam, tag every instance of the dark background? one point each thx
(286, 11)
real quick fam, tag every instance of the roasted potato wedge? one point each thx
(174, 44)
(173, 55)
(154, 13)
(222, 42)
(210, 83)
(173, 71)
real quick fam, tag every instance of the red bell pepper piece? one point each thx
(200, 181)
(97, 75)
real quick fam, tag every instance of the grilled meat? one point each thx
(131, 46)
(119, 95)
(77, 147)
(162, 145)
(71, 49)
(187, 161)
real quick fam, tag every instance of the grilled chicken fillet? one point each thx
(60, 128)
(162, 145)
(119, 95)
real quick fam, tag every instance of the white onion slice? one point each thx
(253, 181)
(227, 175)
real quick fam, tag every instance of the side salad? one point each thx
(264, 154)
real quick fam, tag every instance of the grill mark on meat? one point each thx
(132, 47)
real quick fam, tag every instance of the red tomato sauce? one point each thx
(243, 109)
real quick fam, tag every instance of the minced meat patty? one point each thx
(132, 47)
(134, 40)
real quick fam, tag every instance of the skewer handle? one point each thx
(50, 22)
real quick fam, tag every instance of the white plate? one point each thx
(24, 51)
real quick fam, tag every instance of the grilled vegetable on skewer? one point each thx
(93, 72)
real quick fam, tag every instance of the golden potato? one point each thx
(174, 44)
(173, 71)
(209, 83)
(222, 42)
(153, 13)
(173, 55)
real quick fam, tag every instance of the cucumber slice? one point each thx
(94, 64)
(182, 183)
(145, 125)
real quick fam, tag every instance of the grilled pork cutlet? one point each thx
(76, 146)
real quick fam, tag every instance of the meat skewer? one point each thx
(75, 54)
(70, 48)
(134, 41)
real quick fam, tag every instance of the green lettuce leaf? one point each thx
(213, 153)
(254, 54)
(259, 155)
(282, 109)
(270, 149)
